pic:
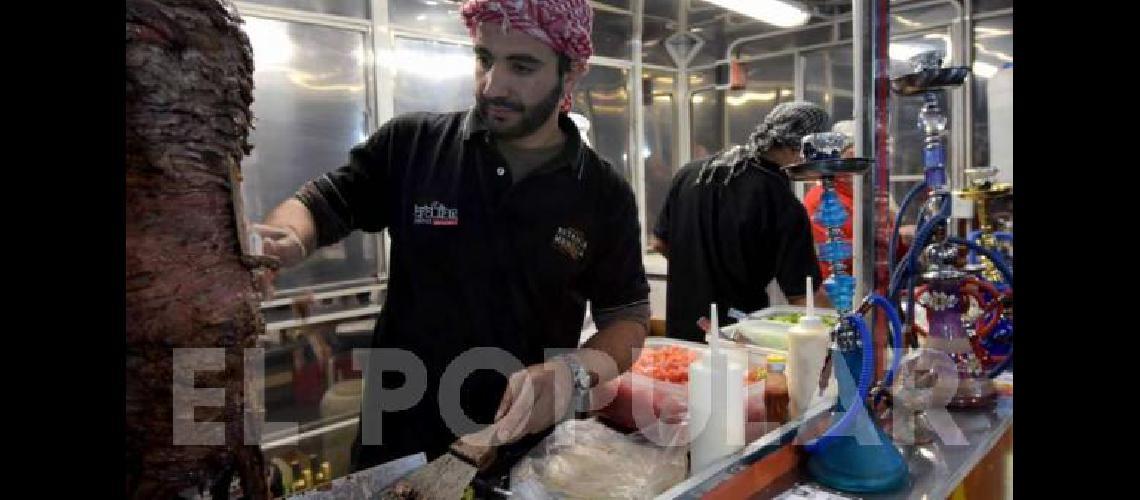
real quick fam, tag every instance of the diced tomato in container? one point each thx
(656, 389)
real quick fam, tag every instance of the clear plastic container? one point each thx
(766, 334)
(634, 401)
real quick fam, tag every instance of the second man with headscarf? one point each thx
(731, 224)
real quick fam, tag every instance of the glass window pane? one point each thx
(827, 81)
(899, 189)
(662, 8)
(351, 8)
(446, 85)
(602, 97)
(706, 113)
(612, 34)
(921, 17)
(654, 33)
(991, 5)
(622, 4)
(427, 16)
(712, 33)
(302, 388)
(992, 78)
(770, 82)
(787, 41)
(309, 108)
(661, 158)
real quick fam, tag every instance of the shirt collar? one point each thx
(573, 151)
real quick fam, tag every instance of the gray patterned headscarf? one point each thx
(786, 125)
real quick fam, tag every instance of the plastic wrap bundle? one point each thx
(619, 466)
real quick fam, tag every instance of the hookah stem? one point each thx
(838, 343)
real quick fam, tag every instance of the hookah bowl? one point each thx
(929, 75)
(981, 191)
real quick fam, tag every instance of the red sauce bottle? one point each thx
(776, 398)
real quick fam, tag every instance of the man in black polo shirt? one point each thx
(731, 223)
(503, 225)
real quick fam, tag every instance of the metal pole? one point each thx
(383, 46)
(968, 60)
(863, 225)
(681, 97)
(798, 63)
(637, 141)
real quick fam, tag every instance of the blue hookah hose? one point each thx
(918, 188)
(995, 257)
(973, 236)
(1007, 275)
(864, 386)
(896, 327)
(910, 314)
(910, 261)
(1003, 365)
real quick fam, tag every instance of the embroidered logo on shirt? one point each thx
(435, 214)
(571, 242)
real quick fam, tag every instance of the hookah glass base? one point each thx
(851, 466)
(863, 459)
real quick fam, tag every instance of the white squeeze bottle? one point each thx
(807, 350)
(716, 404)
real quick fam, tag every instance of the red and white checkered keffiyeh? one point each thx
(563, 25)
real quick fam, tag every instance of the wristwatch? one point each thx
(582, 382)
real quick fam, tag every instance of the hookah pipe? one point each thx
(836, 458)
(904, 272)
(928, 78)
(945, 282)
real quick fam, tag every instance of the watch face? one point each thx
(582, 378)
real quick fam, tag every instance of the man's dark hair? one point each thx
(563, 64)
